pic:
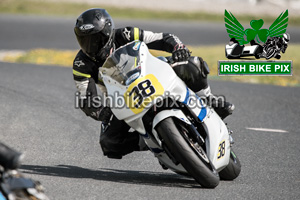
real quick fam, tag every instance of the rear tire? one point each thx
(232, 170)
(185, 153)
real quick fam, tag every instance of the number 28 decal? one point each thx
(142, 92)
(221, 150)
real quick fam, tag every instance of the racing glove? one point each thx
(104, 115)
(180, 53)
(100, 114)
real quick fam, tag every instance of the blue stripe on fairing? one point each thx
(199, 100)
(187, 96)
(202, 113)
(2, 197)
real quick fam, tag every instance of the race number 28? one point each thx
(141, 91)
(221, 149)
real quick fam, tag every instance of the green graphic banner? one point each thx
(255, 68)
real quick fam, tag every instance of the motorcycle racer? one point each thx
(276, 44)
(98, 38)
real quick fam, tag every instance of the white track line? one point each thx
(267, 130)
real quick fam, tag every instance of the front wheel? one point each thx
(270, 53)
(186, 151)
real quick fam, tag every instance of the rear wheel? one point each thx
(232, 170)
(187, 152)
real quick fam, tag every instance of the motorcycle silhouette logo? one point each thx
(275, 38)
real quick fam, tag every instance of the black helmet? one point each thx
(94, 30)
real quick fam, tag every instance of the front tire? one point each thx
(270, 53)
(185, 153)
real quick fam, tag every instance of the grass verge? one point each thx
(74, 9)
(211, 54)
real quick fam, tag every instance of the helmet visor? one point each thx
(92, 44)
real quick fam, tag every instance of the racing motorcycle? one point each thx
(13, 185)
(185, 135)
(274, 46)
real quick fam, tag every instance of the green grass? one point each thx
(75, 9)
(211, 54)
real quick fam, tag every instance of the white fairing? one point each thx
(149, 65)
(165, 82)
(217, 133)
(245, 51)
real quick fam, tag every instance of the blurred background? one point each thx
(37, 95)
(264, 7)
(198, 23)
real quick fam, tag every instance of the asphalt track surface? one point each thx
(37, 117)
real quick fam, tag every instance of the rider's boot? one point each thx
(222, 107)
(116, 140)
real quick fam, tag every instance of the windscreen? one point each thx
(124, 64)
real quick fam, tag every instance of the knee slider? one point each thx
(200, 64)
(199, 73)
(193, 73)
